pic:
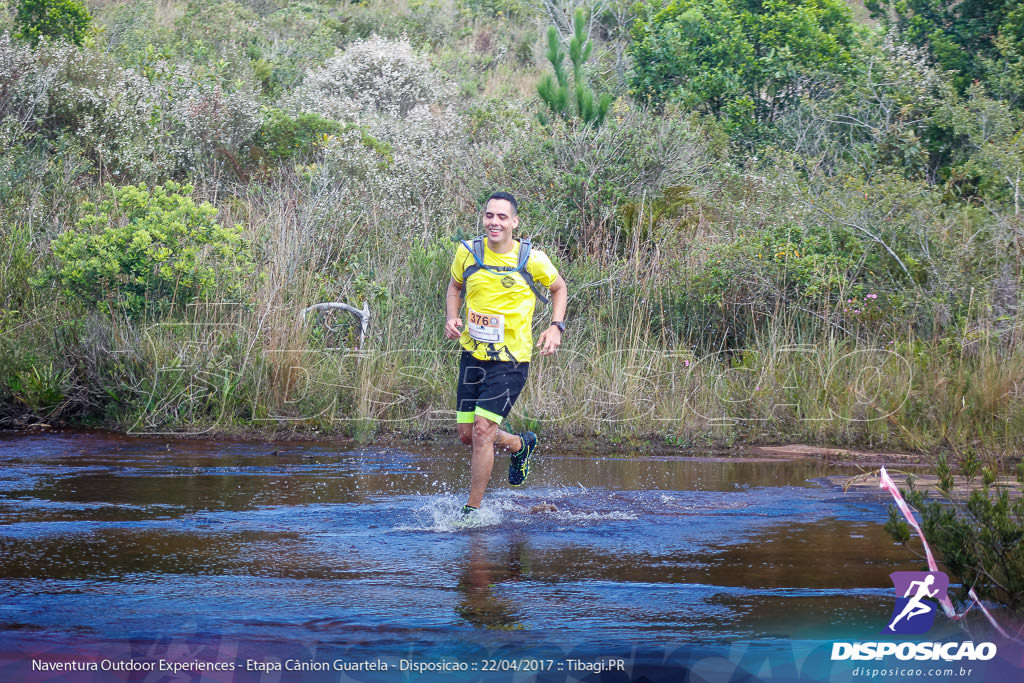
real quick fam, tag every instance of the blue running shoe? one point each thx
(519, 465)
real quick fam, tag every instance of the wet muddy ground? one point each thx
(116, 550)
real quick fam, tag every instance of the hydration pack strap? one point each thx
(477, 250)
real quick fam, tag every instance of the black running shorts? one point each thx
(488, 388)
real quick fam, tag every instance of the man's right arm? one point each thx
(452, 303)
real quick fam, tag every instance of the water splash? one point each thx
(443, 514)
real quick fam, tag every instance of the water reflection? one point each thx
(483, 604)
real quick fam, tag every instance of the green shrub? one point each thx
(41, 387)
(854, 126)
(17, 261)
(1005, 73)
(993, 136)
(153, 249)
(960, 35)
(596, 189)
(53, 19)
(976, 536)
(489, 10)
(284, 137)
(786, 264)
(744, 64)
(819, 276)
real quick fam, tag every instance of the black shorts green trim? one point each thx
(488, 388)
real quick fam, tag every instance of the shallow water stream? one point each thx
(119, 549)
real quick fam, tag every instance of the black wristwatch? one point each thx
(560, 325)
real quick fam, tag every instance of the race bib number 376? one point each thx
(486, 327)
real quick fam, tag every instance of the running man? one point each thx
(915, 606)
(501, 292)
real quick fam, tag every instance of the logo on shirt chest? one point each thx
(508, 282)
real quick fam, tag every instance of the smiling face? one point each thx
(500, 220)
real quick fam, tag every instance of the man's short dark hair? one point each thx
(508, 198)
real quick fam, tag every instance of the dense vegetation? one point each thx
(777, 222)
(790, 225)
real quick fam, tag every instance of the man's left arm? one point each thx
(551, 338)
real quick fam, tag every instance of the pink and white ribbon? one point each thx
(887, 483)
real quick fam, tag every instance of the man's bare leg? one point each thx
(484, 435)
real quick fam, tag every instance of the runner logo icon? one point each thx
(916, 596)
